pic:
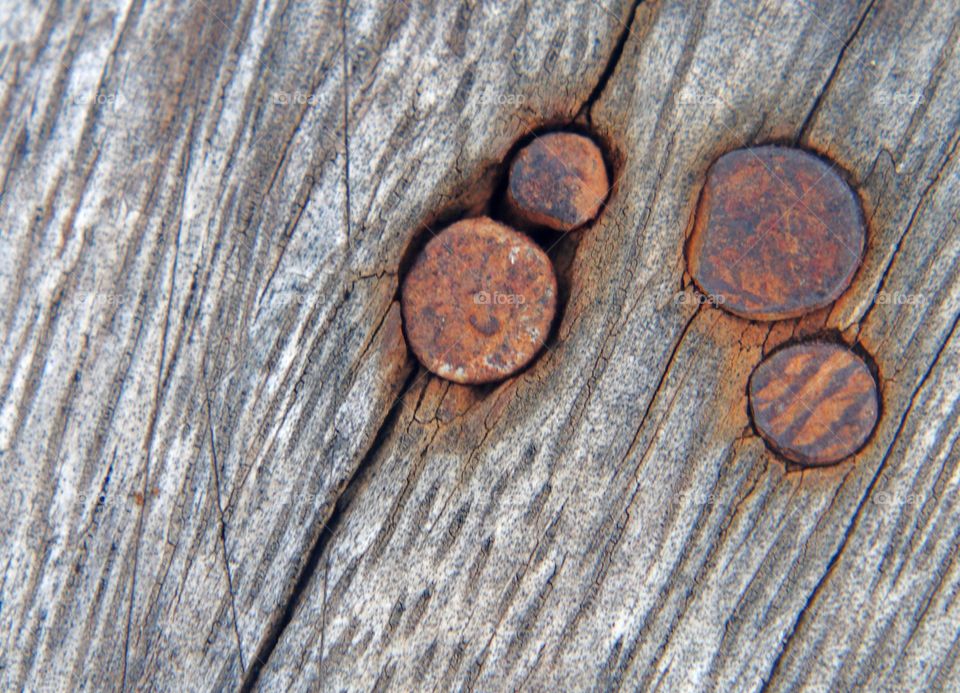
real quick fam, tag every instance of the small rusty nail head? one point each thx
(478, 302)
(559, 180)
(815, 403)
(778, 233)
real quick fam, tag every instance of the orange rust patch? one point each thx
(778, 233)
(478, 302)
(559, 181)
(815, 403)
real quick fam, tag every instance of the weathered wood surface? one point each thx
(208, 480)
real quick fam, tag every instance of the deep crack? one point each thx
(612, 63)
(329, 526)
(326, 533)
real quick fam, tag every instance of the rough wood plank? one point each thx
(210, 481)
(200, 259)
(609, 519)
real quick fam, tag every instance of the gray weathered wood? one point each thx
(222, 469)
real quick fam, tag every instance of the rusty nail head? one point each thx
(478, 302)
(778, 233)
(815, 403)
(559, 181)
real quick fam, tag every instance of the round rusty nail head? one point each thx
(815, 403)
(478, 302)
(559, 181)
(778, 233)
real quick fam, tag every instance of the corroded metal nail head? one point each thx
(778, 233)
(478, 302)
(815, 403)
(559, 181)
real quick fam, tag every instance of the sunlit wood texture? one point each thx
(208, 480)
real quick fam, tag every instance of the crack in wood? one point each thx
(327, 533)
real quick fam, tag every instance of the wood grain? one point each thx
(222, 469)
